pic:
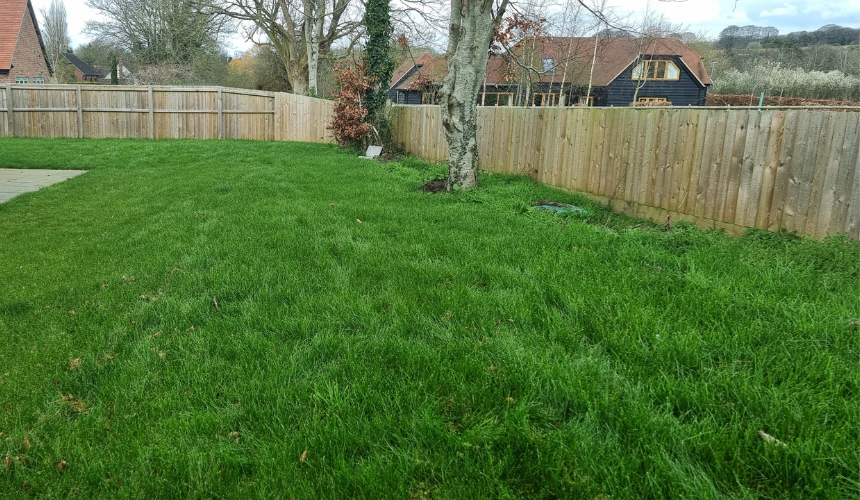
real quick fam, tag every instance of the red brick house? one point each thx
(22, 51)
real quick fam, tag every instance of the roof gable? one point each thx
(12, 14)
(11, 19)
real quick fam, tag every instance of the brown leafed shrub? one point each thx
(349, 123)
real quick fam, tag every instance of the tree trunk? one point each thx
(298, 78)
(470, 33)
(314, 19)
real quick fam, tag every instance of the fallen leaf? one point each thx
(161, 354)
(74, 363)
(215, 303)
(71, 312)
(25, 444)
(770, 439)
(303, 457)
(61, 465)
(358, 220)
(510, 400)
(331, 204)
(7, 461)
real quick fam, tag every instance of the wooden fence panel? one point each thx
(247, 116)
(300, 118)
(726, 168)
(115, 113)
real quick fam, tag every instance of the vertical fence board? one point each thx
(831, 168)
(846, 188)
(809, 214)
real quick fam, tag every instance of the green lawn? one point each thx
(374, 341)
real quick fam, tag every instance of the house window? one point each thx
(38, 79)
(548, 66)
(401, 97)
(652, 99)
(22, 79)
(585, 100)
(543, 99)
(656, 70)
(495, 98)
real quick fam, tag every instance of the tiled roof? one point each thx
(572, 58)
(11, 17)
(85, 68)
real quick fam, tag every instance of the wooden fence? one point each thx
(161, 113)
(769, 169)
(733, 169)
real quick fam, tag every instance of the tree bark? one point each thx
(315, 11)
(470, 33)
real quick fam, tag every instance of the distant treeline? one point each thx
(738, 37)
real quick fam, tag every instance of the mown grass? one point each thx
(445, 346)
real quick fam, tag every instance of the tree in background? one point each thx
(168, 41)
(300, 32)
(380, 65)
(114, 70)
(55, 33)
(258, 68)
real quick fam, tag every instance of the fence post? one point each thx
(151, 105)
(80, 112)
(220, 113)
(10, 121)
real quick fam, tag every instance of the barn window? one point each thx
(543, 99)
(656, 70)
(652, 99)
(38, 79)
(22, 79)
(495, 98)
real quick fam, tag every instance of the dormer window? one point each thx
(548, 66)
(656, 70)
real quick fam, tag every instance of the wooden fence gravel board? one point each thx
(772, 168)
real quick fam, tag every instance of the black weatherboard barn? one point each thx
(572, 71)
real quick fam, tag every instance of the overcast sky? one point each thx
(709, 16)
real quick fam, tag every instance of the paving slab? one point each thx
(14, 181)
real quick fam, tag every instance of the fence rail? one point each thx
(794, 169)
(733, 168)
(161, 113)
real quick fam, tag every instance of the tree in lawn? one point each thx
(470, 32)
(380, 65)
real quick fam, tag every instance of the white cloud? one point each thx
(785, 10)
